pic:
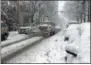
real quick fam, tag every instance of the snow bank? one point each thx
(57, 52)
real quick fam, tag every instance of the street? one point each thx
(31, 50)
(38, 49)
(45, 32)
(13, 37)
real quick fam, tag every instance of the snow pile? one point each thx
(79, 42)
(41, 58)
(56, 52)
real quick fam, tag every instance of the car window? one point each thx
(3, 25)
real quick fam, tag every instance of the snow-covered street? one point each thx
(50, 50)
(13, 37)
(45, 32)
(39, 52)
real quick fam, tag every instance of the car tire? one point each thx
(5, 36)
(2, 37)
(46, 34)
(52, 33)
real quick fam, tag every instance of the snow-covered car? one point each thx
(72, 31)
(47, 28)
(25, 30)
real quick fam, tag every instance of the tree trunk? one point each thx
(89, 11)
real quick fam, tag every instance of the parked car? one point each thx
(47, 28)
(4, 31)
(25, 30)
(71, 30)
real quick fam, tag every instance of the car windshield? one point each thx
(47, 23)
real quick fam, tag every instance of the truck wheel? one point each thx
(52, 33)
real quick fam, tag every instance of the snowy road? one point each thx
(40, 51)
(53, 49)
(13, 38)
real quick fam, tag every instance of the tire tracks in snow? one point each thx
(13, 50)
(13, 42)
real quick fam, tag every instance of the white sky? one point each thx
(61, 5)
